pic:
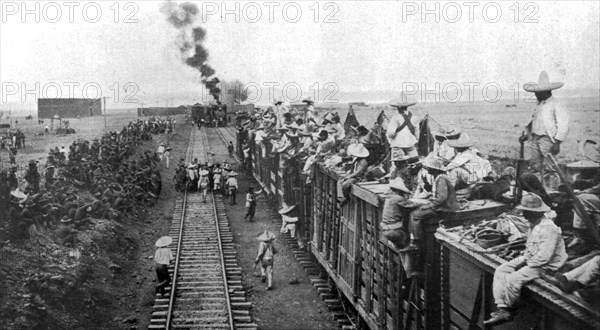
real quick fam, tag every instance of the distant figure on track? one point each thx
(230, 148)
(162, 259)
(232, 186)
(266, 254)
(203, 183)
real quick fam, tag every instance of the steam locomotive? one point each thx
(212, 115)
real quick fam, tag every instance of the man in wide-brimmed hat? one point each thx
(395, 210)
(402, 132)
(549, 122)
(232, 186)
(360, 165)
(466, 167)
(545, 251)
(162, 259)
(288, 223)
(266, 256)
(364, 135)
(442, 200)
(311, 114)
(442, 135)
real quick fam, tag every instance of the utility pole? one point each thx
(104, 101)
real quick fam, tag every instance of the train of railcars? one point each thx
(452, 292)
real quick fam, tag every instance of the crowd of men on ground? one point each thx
(450, 171)
(15, 140)
(207, 177)
(105, 179)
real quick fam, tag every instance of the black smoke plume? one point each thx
(184, 17)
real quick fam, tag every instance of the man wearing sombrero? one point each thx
(466, 167)
(162, 259)
(544, 252)
(442, 136)
(359, 155)
(549, 122)
(401, 133)
(311, 114)
(266, 254)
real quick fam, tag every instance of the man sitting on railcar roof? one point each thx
(443, 198)
(545, 251)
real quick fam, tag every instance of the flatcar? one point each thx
(451, 292)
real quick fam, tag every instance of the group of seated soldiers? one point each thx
(102, 179)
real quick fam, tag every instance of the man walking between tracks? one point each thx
(232, 186)
(549, 122)
(266, 254)
(162, 259)
(230, 148)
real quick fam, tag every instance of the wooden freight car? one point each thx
(346, 242)
(467, 298)
(364, 266)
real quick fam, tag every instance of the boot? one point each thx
(503, 315)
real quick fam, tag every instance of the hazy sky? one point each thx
(366, 46)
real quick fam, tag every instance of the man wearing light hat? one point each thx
(549, 122)
(440, 146)
(162, 259)
(395, 211)
(232, 186)
(266, 256)
(288, 223)
(359, 155)
(402, 132)
(311, 114)
(466, 167)
(545, 251)
(443, 199)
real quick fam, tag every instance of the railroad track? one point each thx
(206, 290)
(226, 134)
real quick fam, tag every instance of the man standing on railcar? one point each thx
(549, 122)
(545, 251)
(402, 132)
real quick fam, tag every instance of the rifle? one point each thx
(518, 191)
(579, 208)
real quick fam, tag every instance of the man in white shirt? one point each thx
(466, 167)
(549, 121)
(232, 186)
(402, 132)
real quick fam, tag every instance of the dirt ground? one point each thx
(287, 306)
(106, 280)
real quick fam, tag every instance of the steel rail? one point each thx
(180, 238)
(223, 272)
